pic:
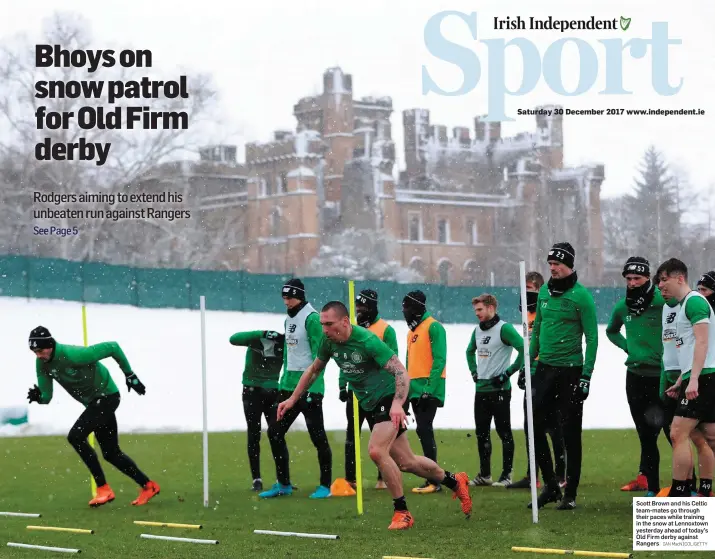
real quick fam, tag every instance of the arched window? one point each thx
(444, 269)
(418, 265)
(472, 273)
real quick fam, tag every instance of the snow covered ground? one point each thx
(164, 348)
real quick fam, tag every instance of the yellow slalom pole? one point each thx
(92, 483)
(356, 413)
(574, 552)
(56, 529)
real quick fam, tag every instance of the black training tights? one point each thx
(99, 418)
(311, 406)
(488, 405)
(257, 402)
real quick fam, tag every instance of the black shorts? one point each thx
(701, 408)
(381, 413)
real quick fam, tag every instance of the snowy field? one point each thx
(164, 349)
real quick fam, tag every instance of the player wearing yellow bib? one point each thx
(427, 366)
(695, 387)
(381, 384)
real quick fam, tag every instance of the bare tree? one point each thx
(133, 152)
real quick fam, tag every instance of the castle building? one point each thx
(467, 207)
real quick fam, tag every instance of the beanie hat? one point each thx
(707, 280)
(637, 265)
(415, 299)
(40, 338)
(564, 253)
(367, 298)
(294, 289)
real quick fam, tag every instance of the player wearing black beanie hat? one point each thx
(641, 311)
(79, 371)
(303, 335)
(427, 366)
(566, 313)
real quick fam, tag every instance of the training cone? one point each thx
(665, 492)
(341, 488)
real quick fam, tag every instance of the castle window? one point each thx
(276, 223)
(442, 231)
(471, 232)
(444, 270)
(415, 226)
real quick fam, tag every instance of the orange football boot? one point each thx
(150, 490)
(462, 493)
(401, 520)
(104, 495)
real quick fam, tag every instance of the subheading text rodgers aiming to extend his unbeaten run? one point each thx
(381, 384)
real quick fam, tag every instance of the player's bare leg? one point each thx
(381, 439)
(423, 467)
(704, 438)
(680, 433)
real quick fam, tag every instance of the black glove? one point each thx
(425, 398)
(136, 384)
(34, 394)
(344, 395)
(500, 380)
(584, 385)
(521, 382)
(271, 335)
(475, 376)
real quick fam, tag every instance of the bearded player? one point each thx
(381, 385)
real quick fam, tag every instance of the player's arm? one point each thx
(589, 324)
(661, 388)
(390, 339)
(535, 330)
(471, 354)
(91, 354)
(308, 378)
(438, 341)
(246, 338)
(613, 330)
(510, 337)
(44, 383)
(402, 379)
(315, 333)
(697, 310)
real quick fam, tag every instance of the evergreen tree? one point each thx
(654, 211)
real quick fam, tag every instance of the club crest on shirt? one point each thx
(356, 357)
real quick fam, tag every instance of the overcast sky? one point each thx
(265, 55)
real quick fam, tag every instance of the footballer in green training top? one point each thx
(78, 370)
(641, 312)
(565, 315)
(381, 385)
(261, 371)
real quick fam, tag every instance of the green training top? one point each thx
(77, 369)
(390, 339)
(559, 327)
(362, 359)
(263, 363)
(434, 384)
(643, 341)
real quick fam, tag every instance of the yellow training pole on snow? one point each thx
(92, 483)
(356, 413)
(573, 552)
